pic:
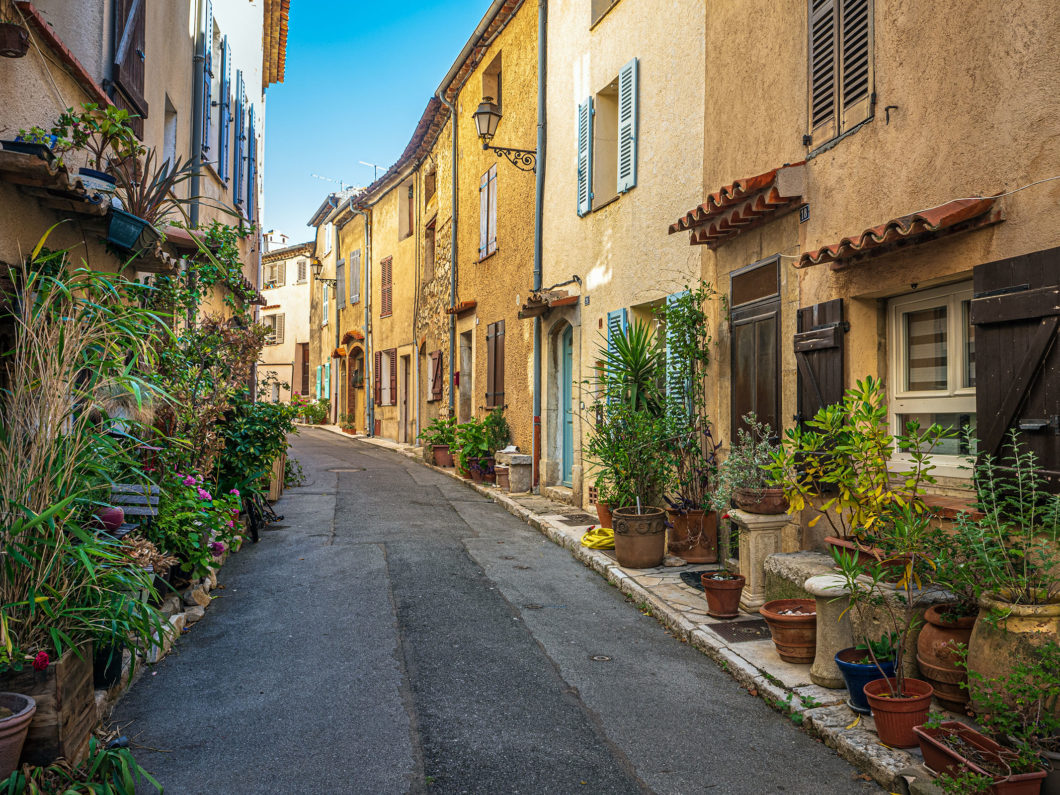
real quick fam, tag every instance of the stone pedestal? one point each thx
(833, 628)
(761, 535)
(520, 471)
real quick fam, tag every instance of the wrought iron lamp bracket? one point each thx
(522, 159)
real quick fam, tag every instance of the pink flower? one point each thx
(41, 661)
(231, 523)
(235, 512)
(204, 494)
(217, 548)
(234, 491)
(188, 481)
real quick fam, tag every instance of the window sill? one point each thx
(958, 467)
(821, 149)
(488, 256)
(384, 317)
(602, 205)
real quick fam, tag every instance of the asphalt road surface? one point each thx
(397, 632)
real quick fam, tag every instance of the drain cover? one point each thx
(600, 658)
(347, 469)
(743, 631)
(533, 606)
(578, 519)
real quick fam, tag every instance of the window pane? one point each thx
(969, 346)
(762, 282)
(963, 424)
(925, 353)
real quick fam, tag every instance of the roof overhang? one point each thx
(289, 251)
(274, 41)
(743, 205)
(959, 215)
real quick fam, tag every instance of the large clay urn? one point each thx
(640, 538)
(938, 655)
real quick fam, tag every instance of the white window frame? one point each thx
(955, 399)
(328, 234)
(325, 304)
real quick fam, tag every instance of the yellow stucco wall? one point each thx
(501, 282)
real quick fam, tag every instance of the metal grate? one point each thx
(743, 631)
(578, 519)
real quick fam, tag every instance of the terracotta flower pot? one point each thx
(701, 545)
(895, 717)
(937, 655)
(942, 757)
(723, 595)
(488, 473)
(14, 40)
(501, 471)
(995, 646)
(640, 538)
(677, 537)
(603, 513)
(13, 729)
(764, 501)
(442, 456)
(793, 624)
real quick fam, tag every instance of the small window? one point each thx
(430, 183)
(275, 324)
(428, 251)
(841, 88)
(406, 210)
(607, 140)
(169, 133)
(605, 145)
(491, 81)
(932, 364)
(302, 271)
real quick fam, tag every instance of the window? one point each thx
(325, 303)
(386, 278)
(129, 63)
(275, 393)
(386, 377)
(275, 325)
(495, 364)
(430, 183)
(275, 274)
(599, 8)
(607, 141)
(841, 93)
(302, 271)
(209, 72)
(328, 234)
(169, 133)
(491, 81)
(239, 158)
(754, 295)
(435, 376)
(406, 210)
(932, 365)
(340, 285)
(224, 110)
(487, 213)
(355, 276)
(428, 251)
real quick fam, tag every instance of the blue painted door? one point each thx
(567, 376)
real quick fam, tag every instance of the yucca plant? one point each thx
(633, 367)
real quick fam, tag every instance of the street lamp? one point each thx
(487, 116)
(318, 266)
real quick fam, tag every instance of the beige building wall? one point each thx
(620, 251)
(350, 380)
(286, 296)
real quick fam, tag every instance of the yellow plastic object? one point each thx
(599, 538)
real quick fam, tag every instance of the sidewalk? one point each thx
(740, 646)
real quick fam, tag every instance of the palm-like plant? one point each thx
(633, 367)
(147, 188)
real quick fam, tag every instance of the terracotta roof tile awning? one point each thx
(339, 352)
(744, 204)
(955, 216)
(353, 334)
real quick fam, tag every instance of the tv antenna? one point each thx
(375, 175)
(339, 182)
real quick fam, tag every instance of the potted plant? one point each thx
(864, 663)
(14, 37)
(603, 502)
(146, 190)
(1016, 545)
(16, 713)
(722, 590)
(898, 702)
(793, 625)
(107, 137)
(838, 464)
(474, 445)
(440, 436)
(348, 423)
(35, 141)
(498, 435)
(743, 477)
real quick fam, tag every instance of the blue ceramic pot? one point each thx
(857, 675)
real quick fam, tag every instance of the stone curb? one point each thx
(831, 723)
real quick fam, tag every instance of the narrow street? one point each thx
(397, 632)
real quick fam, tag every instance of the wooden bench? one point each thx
(139, 502)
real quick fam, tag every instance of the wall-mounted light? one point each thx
(487, 117)
(317, 267)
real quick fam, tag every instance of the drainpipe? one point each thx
(452, 255)
(539, 198)
(366, 299)
(198, 60)
(417, 182)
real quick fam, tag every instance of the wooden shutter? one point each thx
(252, 163)
(281, 273)
(225, 135)
(627, 126)
(491, 240)
(129, 60)
(755, 368)
(393, 376)
(278, 328)
(585, 156)
(436, 376)
(327, 380)
(340, 285)
(819, 356)
(241, 139)
(355, 276)
(491, 373)
(1016, 317)
(207, 80)
(483, 214)
(678, 390)
(377, 378)
(855, 24)
(498, 363)
(319, 395)
(387, 290)
(824, 89)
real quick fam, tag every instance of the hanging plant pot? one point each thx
(13, 729)
(14, 40)
(640, 538)
(896, 716)
(43, 151)
(98, 181)
(129, 232)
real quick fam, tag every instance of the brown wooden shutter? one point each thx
(856, 82)
(498, 364)
(393, 376)
(1016, 317)
(129, 58)
(819, 356)
(386, 303)
(824, 47)
(436, 381)
(377, 378)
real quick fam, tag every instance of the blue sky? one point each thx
(359, 74)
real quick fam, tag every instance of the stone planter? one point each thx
(760, 536)
(520, 471)
(66, 707)
(938, 656)
(833, 628)
(793, 624)
(722, 591)
(13, 729)
(640, 538)
(896, 716)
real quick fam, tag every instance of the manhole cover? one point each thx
(743, 631)
(600, 658)
(578, 519)
(348, 469)
(533, 606)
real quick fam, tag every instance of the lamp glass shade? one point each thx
(487, 117)
(317, 267)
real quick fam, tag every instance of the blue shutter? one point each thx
(585, 156)
(207, 79)
(319, 395)
(327, 380)
(355, 276)
(627, 126)
(226, 109)
(340, 285)
(252, 162)
(617, 323)
(677, 389)
(241, 138)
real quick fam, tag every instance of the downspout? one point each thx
(417, 190)
(539, 197)
(452, 254)
(198, 61)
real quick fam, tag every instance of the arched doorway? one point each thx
(355, 387)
